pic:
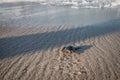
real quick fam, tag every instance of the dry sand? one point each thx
(35, 53)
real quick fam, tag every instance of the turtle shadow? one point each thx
(75, 49)
(82, 49)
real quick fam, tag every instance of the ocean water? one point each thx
(35, 15)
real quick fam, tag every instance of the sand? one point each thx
(35, 53)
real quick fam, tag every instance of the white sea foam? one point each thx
(75, 3)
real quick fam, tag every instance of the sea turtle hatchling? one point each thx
(69, 50)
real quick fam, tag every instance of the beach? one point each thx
(31, 40)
